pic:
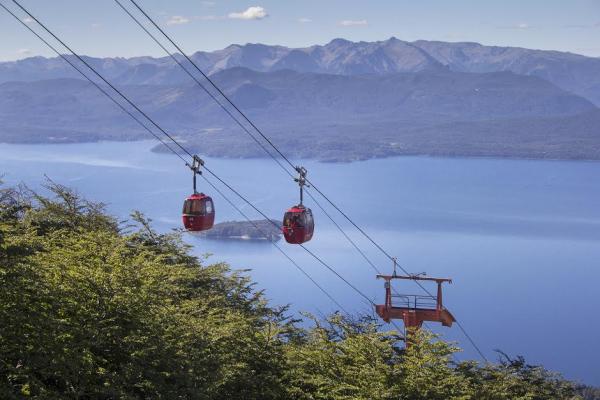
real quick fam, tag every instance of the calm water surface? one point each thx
(521, 239)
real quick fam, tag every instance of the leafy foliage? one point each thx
(343, 359)
(88, 311)
(91, 308)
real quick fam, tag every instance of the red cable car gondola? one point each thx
(198, 209)
(298, 225)
(298, 222)
(198, 212)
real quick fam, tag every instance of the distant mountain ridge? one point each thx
(342, 101)
(572, 72)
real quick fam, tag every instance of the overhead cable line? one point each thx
(212, 96)
(193, 77)
(164, 132)
(174, 140)
(243, 115)
(208, 79)
(270, 142)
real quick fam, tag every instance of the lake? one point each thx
(520, 238)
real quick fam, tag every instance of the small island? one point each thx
(243, 230)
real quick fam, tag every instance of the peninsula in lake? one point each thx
(342, 101)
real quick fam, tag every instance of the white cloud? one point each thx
(28, 20)
(351, 22)
(23, 52)
(523, 25)
(177, 20)
(96, 25)
(304, 20)
(251, 13)
(208, 3)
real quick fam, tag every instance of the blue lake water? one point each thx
(521, 239)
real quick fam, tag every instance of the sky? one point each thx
(100, 28)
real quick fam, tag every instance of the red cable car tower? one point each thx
(414, 309)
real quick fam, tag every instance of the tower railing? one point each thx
(414, 301)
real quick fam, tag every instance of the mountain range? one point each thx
(572, 72)
(340, 101)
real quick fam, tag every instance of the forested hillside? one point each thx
(327, 117)
(93, 308)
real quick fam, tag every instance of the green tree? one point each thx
(427, 371)
(340, 358)
(89, 311)
(515, 379)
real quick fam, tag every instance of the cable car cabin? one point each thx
(298, 225)
(198, 212)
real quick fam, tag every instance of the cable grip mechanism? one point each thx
(196, 166)
(301, 179)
